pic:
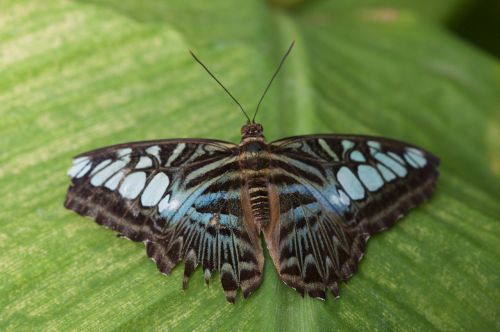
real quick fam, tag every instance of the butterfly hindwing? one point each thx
(182, 198)
(334, 192)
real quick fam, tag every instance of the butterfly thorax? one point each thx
(254, 161)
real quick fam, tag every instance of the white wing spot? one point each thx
(84, 170)
(370, 177)
(100, 166)
(357, 156)
(410, 160)
(154, 151)
(346, 145)
(339, 198)
(78, 165)
(144, 162)
(133, 185)
(113, 183)
(417, 156)
(80, 160)
(374, 147)
(164, 204)
(374, 144)
(397, 157)
(155, 190)
(334, 199)
(123, 152)
(391, 163)
(386, 173)
(344, 198)
(350, 183)
(99, 178)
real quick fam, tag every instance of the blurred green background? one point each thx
(77, 75)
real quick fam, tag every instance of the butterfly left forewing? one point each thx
(333, 192)
(181, 197)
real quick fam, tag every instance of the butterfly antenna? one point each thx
(215, 78)
(272, 79)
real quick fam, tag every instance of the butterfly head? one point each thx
(252, 129)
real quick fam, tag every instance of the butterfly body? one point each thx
(255, 165)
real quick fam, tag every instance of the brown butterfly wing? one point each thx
(182, 198)
(330, 194)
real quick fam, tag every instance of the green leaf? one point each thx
(80, 75)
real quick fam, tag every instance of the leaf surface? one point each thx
(79, 75)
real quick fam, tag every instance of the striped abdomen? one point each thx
(259, 200)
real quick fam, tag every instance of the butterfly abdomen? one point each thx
(259, 200)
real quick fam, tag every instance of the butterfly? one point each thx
(316, 199)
